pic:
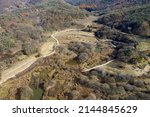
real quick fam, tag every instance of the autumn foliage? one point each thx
(86, 6)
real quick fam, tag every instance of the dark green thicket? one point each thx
(136, 20)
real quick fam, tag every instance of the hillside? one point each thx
(51, 50)
(9, 5)
(107, 4)
(135, 20)
(22, 27)
(130, 16)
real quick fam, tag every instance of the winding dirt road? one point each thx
(25, 64)
(19, 67)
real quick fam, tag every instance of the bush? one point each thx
(139, 83)
(129, 87)
(143, 29)
(110, 80)
(91, 96)
(143, 96)
(123, 77)
(105, 87)
(74, 95)
(6, 42)
(118, 91)
(82, 57)
(30, 47)
(127, 54)
(80, 47)
(24, 93)
(83, 80)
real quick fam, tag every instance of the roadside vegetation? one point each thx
(22, 31)
(120, 37)
(132, 21)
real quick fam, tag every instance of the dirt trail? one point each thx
(46, 50)
(98, 66)
(16, 69)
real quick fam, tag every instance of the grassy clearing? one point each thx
(144, 46)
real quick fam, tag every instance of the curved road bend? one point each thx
(24, 65)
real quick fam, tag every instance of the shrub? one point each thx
(24, 93)
(75, 95)
(128, 87)
(127, 54)
(82, 80)
(118, 91)
(91, 96)
(82, 57)
(6, 42)
(30, 47)
(139, 83)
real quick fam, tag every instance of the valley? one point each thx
(85, 54)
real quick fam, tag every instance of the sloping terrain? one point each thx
(105, 57)
(9, 5)
(106, 5)
(135, 20)
(21, 29)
